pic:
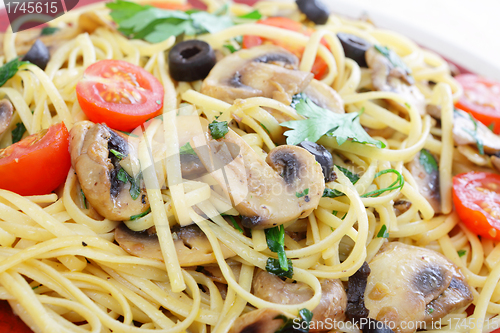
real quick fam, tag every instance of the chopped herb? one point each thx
(335, 212)
(255, 15)
(187, 149)
(324, 122)
(218, 129)
(479, 142)
(461, 253)
(492, 126)
(84, 244)
(428, 161)
(395, 60)
(273, 266)
(329, 193)
(230, 47)
(302, 194)
(18, 132)
(291, 325)
(156, 25)
(407, 105)
(430, 310)
(343, 217)
(10, 69)
(36, 287)
(265, 128)
(235, 224)
(49, 31)
(383, 233)
(135, 217)
(117, 154)
(398, 184)
(84, 199)
(276, 242)
(135, 189)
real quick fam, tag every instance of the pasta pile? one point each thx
(60, 269)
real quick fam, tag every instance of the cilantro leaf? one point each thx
(49, 31)
(10, 69)
(18, 132)
(321, 121)
(428, 161)
(187, 150)
(211, 23)
(218, 129)
(383, 233)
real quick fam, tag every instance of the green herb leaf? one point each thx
(321, 121)
(291, 325)
(297, 98)
(117, 154)
(398, 184)
(383, 233)
(273, 266)
(122, 176)
(428, 161)
(265, 128)
(461, 253)
(276, 242)
(430, 310)
(18, 132)
(49, 31)
(230, 47)
(329, 193)
(36, 287)
(491, 127)
(135, 217)
(302, 194)
(479, 142)
(10, 69)
(135, 189)
(255, 15)
(187, 149)
(395, 60)
(84, 199)
(155, 24)
(235, 224)
(218, 129)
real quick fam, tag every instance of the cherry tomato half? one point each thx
(119, 94)
(170, 5)
(38, 164)
(477, 201)
(319, 68)
(481, 98)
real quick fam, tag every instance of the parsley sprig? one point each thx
(276, 242)
(156, 25)
(10, 69)
(321, 122)
(218, 129)
(291, 325)
(135, 188)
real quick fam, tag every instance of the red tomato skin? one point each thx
(124, 117)
(319, 67)
(39, 168)
(488, 91)
(466, 198)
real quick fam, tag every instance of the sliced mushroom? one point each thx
(267, 70)
(427, 183)
(463, 128)
(401, 206)
(387, 77)
(495, 161)
(333, 301)
(6, 112)
(324, 96)
(98, 169)
(260, 321)
(191, 245)
(403, 293)
(287, 187)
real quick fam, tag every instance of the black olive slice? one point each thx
(38, 54)
(322, 156)
(315, 10)
(191, 60)
(354, 47)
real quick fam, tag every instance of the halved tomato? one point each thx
(477, 201)
(38, 164)
(481, 98)
(120, 94)
(170, 5)
(249, 41)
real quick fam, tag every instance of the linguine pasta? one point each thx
(61, 271)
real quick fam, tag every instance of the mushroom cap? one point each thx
(287, 187)
(96, 172)
(405, 279)
(324, 96)
(191, 245)
(6, 112)
(266, 70)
